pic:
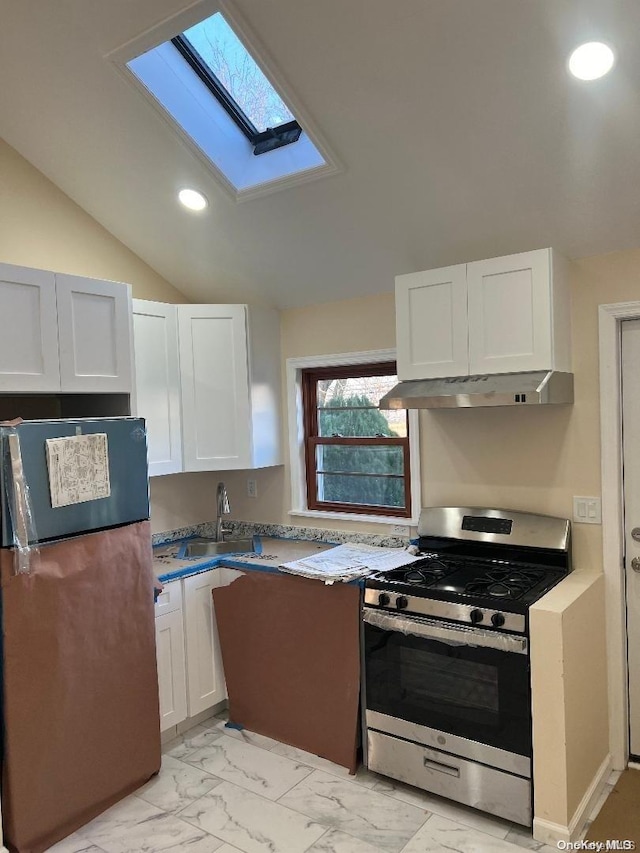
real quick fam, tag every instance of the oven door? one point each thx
(465, 681)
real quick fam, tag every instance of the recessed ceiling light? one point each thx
(591, 60)
(192, 199)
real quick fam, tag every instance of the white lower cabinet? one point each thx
(205, 675)
(172, 673)
(190, 673)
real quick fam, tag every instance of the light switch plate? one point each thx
(587, 510)
(252, 488)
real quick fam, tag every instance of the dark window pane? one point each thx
(237, 71)
(360, 460)
(349, 489)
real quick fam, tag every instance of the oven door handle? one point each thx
(446, 633)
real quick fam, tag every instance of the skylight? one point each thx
(220, 98)
(228, 59)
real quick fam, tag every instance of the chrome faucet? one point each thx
(222, 508)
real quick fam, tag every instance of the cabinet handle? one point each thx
(449, 769)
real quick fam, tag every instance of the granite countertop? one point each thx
(270, 552)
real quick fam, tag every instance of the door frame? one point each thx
(610, 319)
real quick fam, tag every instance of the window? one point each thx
(224, 106)
(357, 457)
(221, 61)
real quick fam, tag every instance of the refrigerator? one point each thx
(80, 718)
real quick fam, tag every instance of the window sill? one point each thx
(356, 516)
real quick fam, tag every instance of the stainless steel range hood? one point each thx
(499, 389)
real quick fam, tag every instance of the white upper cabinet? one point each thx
(28, 331)
(157, 370)
(94, 323)
(230, 385)
(61, 333)
(502, 315)
(431, 323)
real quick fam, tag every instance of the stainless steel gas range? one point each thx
(446, 689)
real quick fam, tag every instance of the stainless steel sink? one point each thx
(209, 547)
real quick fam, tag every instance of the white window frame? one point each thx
(297, 468)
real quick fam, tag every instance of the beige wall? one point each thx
(530, 459)
(42, 227)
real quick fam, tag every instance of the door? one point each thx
(28, 331)
(94, 327)
(205, 676)
(510, 313)
(157, 395)
(631, 475)
(215, 387)
(431, 323)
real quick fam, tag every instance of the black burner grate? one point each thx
(422, 572)
(504, 583)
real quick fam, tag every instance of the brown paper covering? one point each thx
(291, 655)
(80, 685)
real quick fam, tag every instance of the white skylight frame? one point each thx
(291, 154)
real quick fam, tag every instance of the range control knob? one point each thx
(402, 602)
(383, 599)
(497, 620)
(476, 616)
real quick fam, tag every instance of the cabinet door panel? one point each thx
(157, 396)
(169, 599)
(431, 323)
(171, 669)
(510, 311)
(94, 323)
(215, 387)
(28, 331)
(205, 675)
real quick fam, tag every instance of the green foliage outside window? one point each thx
(358, 421)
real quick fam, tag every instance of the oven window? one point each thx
(469, 688)
(474, 692)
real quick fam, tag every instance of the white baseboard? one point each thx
(550, 833)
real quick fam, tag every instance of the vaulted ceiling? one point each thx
(459, 132)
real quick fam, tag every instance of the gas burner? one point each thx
(423, 576)
(503, 583)
(421, 573)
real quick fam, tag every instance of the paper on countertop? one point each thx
(78, 468)
(349, 562)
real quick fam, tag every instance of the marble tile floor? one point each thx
(233, 791)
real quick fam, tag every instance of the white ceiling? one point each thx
(460, 134)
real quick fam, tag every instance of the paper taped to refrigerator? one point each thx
(78, 469)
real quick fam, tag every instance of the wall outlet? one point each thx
(252, 488)
(587, 510)
(400, 530)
